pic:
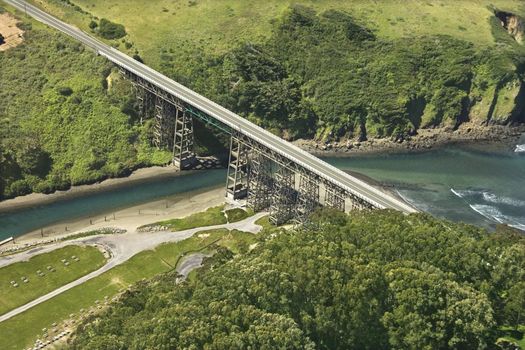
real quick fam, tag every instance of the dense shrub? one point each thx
(58, 124)
(110, 30)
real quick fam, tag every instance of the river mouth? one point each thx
(483, 188)
(476, 186)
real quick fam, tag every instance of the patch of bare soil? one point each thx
(13, 36)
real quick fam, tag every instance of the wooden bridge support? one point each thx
(307, 198)
(260, 182)
(145, 100)
(334, 197)
(164, 127)
(237, 178)
(284, 196)
(183, 141)
(359, 203)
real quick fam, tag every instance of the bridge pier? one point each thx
(358, 203)
(334, 197)
(260, 182)
(145, 102)
(284, 196)
(164, 124)
(308, 197)
(183, 140)
(237, 178)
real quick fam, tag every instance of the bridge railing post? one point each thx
(237, 177)
(260, 181)
(183, 140)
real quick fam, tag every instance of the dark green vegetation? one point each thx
(110, 30)
(328, 76)
(2, 39)
(371, 280)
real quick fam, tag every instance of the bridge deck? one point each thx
(234, 121)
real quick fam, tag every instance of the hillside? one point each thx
(421, 64)
(373, 280)
(323, 70)
(65, 118)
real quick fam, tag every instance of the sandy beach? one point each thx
(130, 218)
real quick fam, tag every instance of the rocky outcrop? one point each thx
(514, 24)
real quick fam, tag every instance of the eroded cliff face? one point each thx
(514, 24)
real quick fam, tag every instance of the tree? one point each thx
(111, 30)
(430, 311)
(515, 305)
(2, 39)
(93, 25)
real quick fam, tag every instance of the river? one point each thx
(459, 184)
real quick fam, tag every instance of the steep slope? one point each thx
(307, 67)
(65, 118)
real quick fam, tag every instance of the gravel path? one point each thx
(121, 248)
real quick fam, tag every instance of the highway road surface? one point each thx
(330, 173)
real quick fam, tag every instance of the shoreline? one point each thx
(501, 140)
(129, 218)
(480, 138)
(136, 177)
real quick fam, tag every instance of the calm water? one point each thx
(27, 220)
(458, 184)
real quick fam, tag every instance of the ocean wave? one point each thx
(464, 193)
(488, 197)
(494, 214)
(492, 198)
(520, 149)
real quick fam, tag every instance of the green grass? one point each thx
(210, 217)
(218, 25)
(238, 214)
(27, 326)
(90, 259)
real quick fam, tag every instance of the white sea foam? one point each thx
(520, 149)
(492, 198)
(495, 215)
(464, 193)
(489, 197)
(488, 211)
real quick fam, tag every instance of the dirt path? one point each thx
(13, 36)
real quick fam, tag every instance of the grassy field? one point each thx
(157, 26)
(89, 259)
(27, 326)
(210, 217)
